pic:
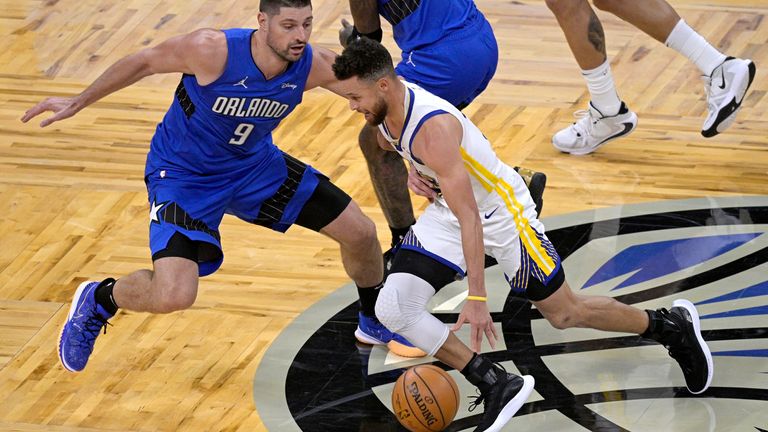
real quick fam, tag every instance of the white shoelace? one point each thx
(581, 127)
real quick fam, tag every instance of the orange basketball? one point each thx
(425, 399)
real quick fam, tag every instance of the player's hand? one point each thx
(345, 32)
(419, 186)
(479, 318)
(62, 108)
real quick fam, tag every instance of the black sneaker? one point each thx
(681, 335)
(502, 401)
(536, 182)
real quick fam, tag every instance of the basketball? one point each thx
(425, 399)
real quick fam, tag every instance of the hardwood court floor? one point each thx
(74, 205)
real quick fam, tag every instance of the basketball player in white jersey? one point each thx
(480, 205)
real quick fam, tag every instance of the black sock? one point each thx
(481, 372)
(368, 298)
(103, 295)
(399, 233)
(465, 370)
(651, 330)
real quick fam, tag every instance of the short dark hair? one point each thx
(272, 7)
(363, 58)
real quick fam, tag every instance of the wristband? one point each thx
(477, 298)
(374, 35)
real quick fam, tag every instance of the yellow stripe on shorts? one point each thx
(527, 234)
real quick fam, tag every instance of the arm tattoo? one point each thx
(595, 33)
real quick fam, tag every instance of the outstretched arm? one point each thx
(438, 144)
(321, 74)
(198, 53)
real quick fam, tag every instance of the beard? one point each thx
(286, 53)
(378, 113)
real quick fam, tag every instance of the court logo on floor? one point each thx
(714, 252)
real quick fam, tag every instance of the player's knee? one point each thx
(564, 318)
(388, 309)
(361, 232)
(175, 295)
(561, 321)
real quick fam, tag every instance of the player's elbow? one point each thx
(142, 65)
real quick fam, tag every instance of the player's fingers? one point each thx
(458, 324)
(56, 117)
(419, 189)
(35, 110)
(47, 121)
(493, 331)
(345, 23)
(491, 337)
(477, 339)
(424, 191)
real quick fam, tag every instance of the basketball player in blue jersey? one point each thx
(213, 154)
(435, 37)
(457, 169)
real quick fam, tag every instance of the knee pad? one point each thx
(388, 308)
(402, 301)
(402, 308)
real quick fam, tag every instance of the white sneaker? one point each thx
(725, 89)
(593, 130)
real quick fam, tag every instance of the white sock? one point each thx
(602, 89)
(687, 42)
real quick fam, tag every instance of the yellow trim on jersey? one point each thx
(492, 183)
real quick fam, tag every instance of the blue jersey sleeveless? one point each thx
(417, 23)
(227, 125)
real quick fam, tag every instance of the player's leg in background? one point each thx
(726, 79)
(390, 178)
(607, 117)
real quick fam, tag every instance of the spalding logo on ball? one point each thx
(425, 399)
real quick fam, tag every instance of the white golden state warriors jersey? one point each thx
(507, 211)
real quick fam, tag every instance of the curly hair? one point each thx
(272, 7)
(363, 58)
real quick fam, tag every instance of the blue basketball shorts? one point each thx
(457, 68)
(194, 205)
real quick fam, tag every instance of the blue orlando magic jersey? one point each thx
(417, 23)
(227, 124)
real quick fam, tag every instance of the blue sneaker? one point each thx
(371, 331)
(84, 322)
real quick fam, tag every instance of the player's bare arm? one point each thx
(201, 53)
(321, 74)
(437, 144)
